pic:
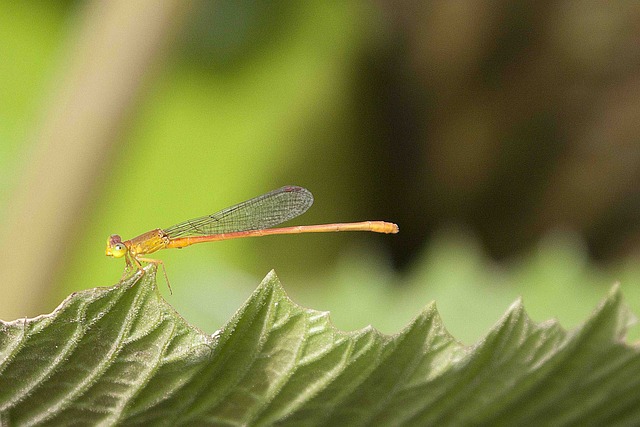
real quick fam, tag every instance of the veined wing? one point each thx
(261, 212)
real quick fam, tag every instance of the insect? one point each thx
(253, 217)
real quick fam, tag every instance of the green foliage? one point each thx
(123, 355)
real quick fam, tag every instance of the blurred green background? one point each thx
(501, 136)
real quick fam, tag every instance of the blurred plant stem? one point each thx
(111, 53)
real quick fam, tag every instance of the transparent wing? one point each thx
(261, 212)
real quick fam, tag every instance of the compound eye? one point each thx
(118, 250)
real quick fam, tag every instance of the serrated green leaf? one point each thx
(122, 355)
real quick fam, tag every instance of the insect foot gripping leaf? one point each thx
(123, 356)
